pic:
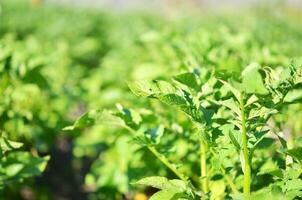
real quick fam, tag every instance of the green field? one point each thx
(134, 105)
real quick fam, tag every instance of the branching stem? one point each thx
(166, 162)
(162, 158)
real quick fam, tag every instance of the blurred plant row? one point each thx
(60, 65)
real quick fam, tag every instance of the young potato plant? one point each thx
(231, 124)
(253, 103)
(146, 133)
(258, 95)
(194, 94)
(205, 131)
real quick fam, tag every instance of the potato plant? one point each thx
(230, 117)
(201, 122)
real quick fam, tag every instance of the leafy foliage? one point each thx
(198, 107)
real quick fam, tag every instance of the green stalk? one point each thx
(166, 162)
(247, 166)
(203, 166)
(232, 185)
(230, 181)
(162, 158)
(227, 177)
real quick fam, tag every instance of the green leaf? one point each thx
(231, 88)
(193, 112)
(232, 105)
(207, 114)
(124, 117)
(13, 169)
(86, 120)
(269, 167)
(293, 95)
(188, 79)
(282, 141)
(179, 185)
(234, 140)
(295, 184)
(164, 195)
(251, 100)
(156, 182)
(163, 183)
(261, 112)
(296, 66)
(144, 88)
(172, 99)
(292, 173)
(296, 153)
(8, 145)
(130, 117)
(23, 165)
(252, 82)
(155, 133)
(264, 143)
(262, 194)
(147, 88)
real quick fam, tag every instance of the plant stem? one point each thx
(232, 185)
(162, 158)
(166, 162)
(203, 166)
(246, 164)
(230, 181)
(227, 177)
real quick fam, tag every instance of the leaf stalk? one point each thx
(166, 162)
